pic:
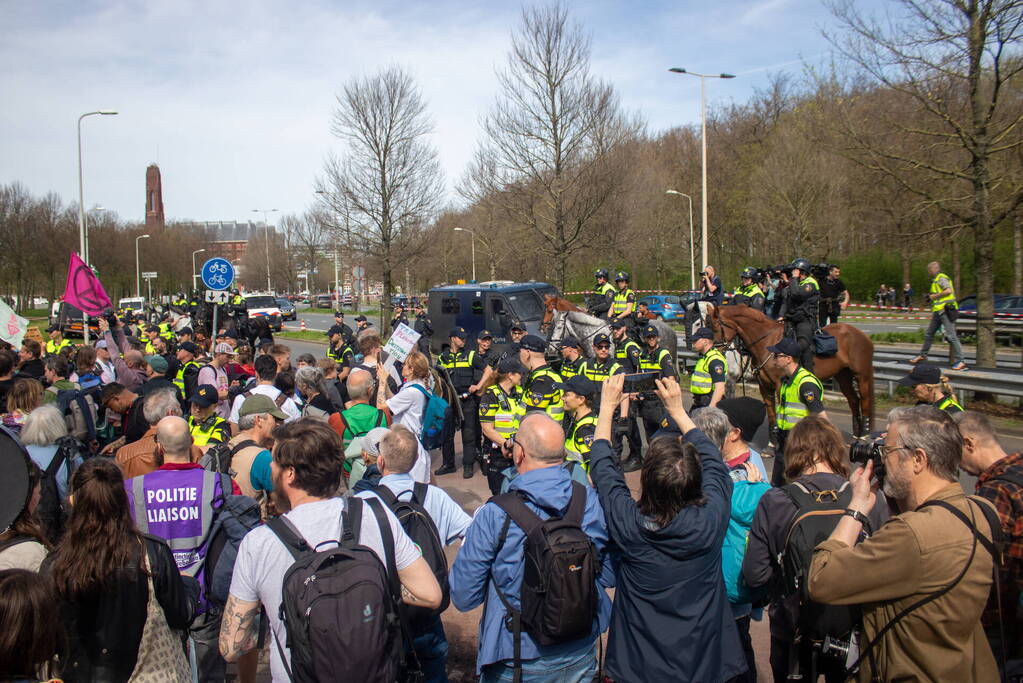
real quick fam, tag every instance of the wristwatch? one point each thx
(858, 516)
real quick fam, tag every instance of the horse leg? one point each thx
(846, 382)
(865, 388)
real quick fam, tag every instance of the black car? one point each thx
(288, 311)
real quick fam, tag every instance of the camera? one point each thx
(869, 449)
(820, 271)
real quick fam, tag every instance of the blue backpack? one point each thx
(433, 419)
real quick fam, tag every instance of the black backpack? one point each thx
(340, 606)
(217, 457)
(558, 600)
(236, 516)
(52, 511)
(817, 515)
(420, 527)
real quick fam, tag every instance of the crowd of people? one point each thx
(179, 503)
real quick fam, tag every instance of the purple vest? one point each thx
(177, 506)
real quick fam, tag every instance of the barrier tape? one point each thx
(900, 309)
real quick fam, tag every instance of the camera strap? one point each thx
(991, 546)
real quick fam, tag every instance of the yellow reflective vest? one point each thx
(700, 382)
(938, 304)
(790, 407)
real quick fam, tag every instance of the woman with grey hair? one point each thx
(45, 436)
(309, 382)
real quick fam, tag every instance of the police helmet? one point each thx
(802, 264)
(601, 272)
(748, 272)
(621, 276)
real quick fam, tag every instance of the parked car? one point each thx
(324, 301)
(1004, 303)
(264, 305)
(664, 306)
(347, 300)
(288, 311)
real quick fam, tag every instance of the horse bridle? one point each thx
(726, 346)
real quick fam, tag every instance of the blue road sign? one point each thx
(217, 273)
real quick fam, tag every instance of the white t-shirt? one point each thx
(263, 560)
(217, 377)
(288, 407)
(407, 407)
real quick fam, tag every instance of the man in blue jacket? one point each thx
(538, 453)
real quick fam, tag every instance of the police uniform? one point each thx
(504, 411)
(53, 348)
(341, 354)
(623, 298)
(541, 394)
(710, 369)
(750, 294)
(799, 309)
(798, 396)
(580, 439)
(659, 361)
(465, 368)
(627, 353)
(925, 373)
(213, 429)
(603, 294)
(571, 368)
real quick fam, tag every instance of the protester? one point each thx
(670, 586)
(25, 396)
(282, 355)
(305, 360)
(215, 374)
(398, 453)
(55, 373)
(30, 364)
(31, 631)
(139, 457)
(309, 382)
(104, 363)
(359, 417)
(926, 550)
(492, 561)
(86, 374)
(45, 436)
(266, 372)
(250, 457)
(369, 476)
(334, 386)
(408, 405)
(129, 364)
(999, 480)
(745, 416)
(307, 473)
(128, 406)
(370, 346)
(24, 545)
(105, 572)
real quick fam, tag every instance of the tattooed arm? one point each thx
(419, 587)
(238, 633)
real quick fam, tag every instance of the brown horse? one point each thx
(852, 367)
(553, 303)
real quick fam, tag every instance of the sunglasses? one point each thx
(602, 346)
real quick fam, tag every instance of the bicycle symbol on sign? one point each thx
(218, 280)
(218, 268)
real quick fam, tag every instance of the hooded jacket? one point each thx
(671, 620)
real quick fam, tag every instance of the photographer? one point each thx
(923, 579)
(710, 284)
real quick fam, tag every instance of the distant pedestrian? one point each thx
(944, 311)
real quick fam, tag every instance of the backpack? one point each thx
(558, 598)
(340, 606)
(817, 515)
(420, 527)
(236, 516)
(218, 457)
(79, 411)
(279, 401)
(433, 418)
(52, 512)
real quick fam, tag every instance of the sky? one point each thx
(233, 99)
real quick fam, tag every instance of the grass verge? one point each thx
(302, 335)
(898, 337)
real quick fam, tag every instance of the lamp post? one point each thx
(138, 273)
(472, 240)
(692, 255)
(266, 224)
(195, 285)
(337, 265)
(83, 237)
(703, 149)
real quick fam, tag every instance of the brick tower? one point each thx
(154, 196)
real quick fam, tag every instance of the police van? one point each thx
(265, 306)
(491, 306)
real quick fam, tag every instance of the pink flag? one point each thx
(84, 291)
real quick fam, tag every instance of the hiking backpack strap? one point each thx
(244, 444)
(385, 494)
(419, 491)
(281, 398)
(289, 536)
(387, 539)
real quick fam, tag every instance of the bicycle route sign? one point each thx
(217, 273)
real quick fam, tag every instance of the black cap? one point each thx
(339, 314)
(746, 413)
(458, 332)
(570, 342)
(617, 323)
(360, 318)
(152, 328)
(580, 385)
(703, 333)
(511, 364)
(531, 342)
(601, 338)
(205, 395)
(787, 346)
(518, 325)
(651, 331)
(188, 346)
(335, 329)
(484, 335)
(230, 334)
(925, 373)
(185, 330)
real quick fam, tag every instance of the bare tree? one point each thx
(387, 181)
(548, 152)
(952, 66)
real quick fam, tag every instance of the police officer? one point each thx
(424, 327)
(749, 292)
(57, 343)
(152, 332)
(602, 365)
(166, 329)
(340, 351)
(656, 360)
(944, 310)
(572, 362)
(578, 393)
(206, 426)
(515, 334)
(834, 297)
(185, 379)
(624, 302)
(499, 414)
(399, 317)
(238, 312)
(361, 323)
(931, 388)
(603, 294)
(485, 349)
(627, 351)
(707, 384)
(180, 303)
(346, 331)
(800, 394)
(799, 309)
(540, 391)
(465, 368)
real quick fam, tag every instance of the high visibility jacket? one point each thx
(950, 298)
(949, 404)
(576, 447)
(165, 331)
(338, 355)
(621, 301)
(597, 371)
(237, 300)
(604, 289)
(570, 368)
(460, 368)
(150, 349)
(216, 431)
(622, 351)
(750, 290)
(549, 402)
(790, 407)
(179, 379)
(508, 412)
(52, 349)
(700, 382)
(651, 362)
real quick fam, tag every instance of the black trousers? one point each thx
(804, 330)
(782, 652)
(778, 468)
(828, 314)
(470, 434)
(742, 626)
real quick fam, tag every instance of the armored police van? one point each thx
(491, 306)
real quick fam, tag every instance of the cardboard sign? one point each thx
(402, 342)
(34, 334)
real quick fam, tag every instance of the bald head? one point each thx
(542, 439)
(360, 384)
(173, 436)
(135, 360)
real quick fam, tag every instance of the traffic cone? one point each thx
(302, 324)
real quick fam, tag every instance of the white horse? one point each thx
(582, 326)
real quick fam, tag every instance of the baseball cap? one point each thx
(746, 413)
(601, 338)
(531, 342)
(205, 395)
(224, 347)
(339, 314)
(260, 404)
(158, 363)
(335, 329)
(101, 344)
(703, 333)
(651, 331)
(458, 332)
(152, 328)
(371, 442)
(511, 364)
(360, 318)
(185, 330)
(924, 373)
(484, 334)
(787, 346)
(570, 342)
(517, 325)
(188, 346)
(616, 323)
(230, 334)
(580, 385)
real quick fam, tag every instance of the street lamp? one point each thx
(138, 274)
(195, 285)
(473, 241)
(703, 145)
(82, 236)
(692, 255)
(266, 224)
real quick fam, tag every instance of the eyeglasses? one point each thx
(602, 346)
(888, 450)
